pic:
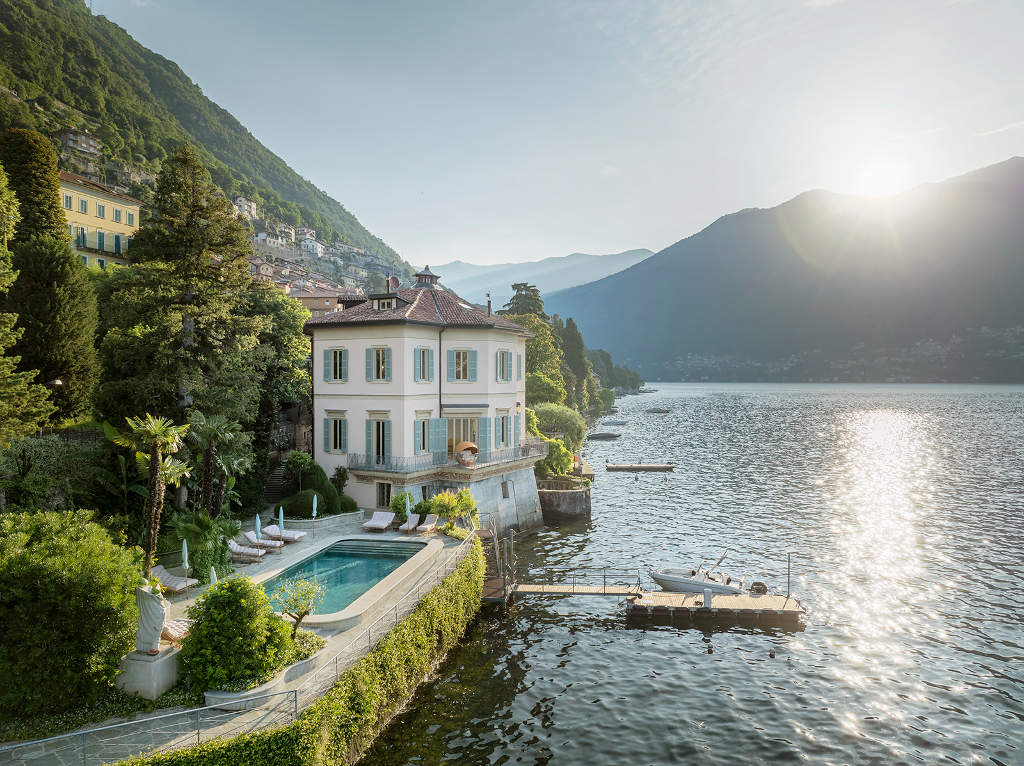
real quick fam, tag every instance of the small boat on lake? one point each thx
(640, 466)
(615, 422)
(659, 410)
(603, 437)
(698, 580)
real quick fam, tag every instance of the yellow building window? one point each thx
(117, 215)
(131, 218)
(83, 205)
(101, 211)
(67, 201)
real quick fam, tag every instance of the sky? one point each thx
(494, 132)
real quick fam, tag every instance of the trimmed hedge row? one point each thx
(341, 724)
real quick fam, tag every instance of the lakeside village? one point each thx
(232, 520)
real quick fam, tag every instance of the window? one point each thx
(503, 366)
(502, 431)
(381, 364)
(101, 263)
(386, 304)
(131, 218)
(339, 435)
(383, 494)
(117, 215)
(504, 490)
(71, 231)
(67, 201)
(423, 368)
(117, 244)
(101, 211)
(381, 447)
(101, 240)
(83, 205)
(82, 236)
(339, 364)
(421, 437)
(462, 365)
(85, 260)
(461, 430)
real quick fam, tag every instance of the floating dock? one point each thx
(750, 609)
(640, 466)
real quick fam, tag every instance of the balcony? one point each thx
(530, 448)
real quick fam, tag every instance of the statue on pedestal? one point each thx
(154, 612)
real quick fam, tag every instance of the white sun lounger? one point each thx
(271, 545)
(410, 524)
(381, 521)
(429, 524)
(175, 630)
(244, 555)
(170, 582)
(286, 535)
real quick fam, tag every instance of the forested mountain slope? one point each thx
(69, 67)
(823, 271)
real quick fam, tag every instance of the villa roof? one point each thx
(95, 186)
(432, 307)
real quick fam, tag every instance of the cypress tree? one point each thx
(56, 309)
(23, 404)
(31, 166)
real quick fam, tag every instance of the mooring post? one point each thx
(604, 587)
(789, 569)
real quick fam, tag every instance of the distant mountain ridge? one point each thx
(822, 271)
(550, 275)
(57, 50)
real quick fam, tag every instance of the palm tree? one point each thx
(209, 433)
(151, 438)
(230, 466)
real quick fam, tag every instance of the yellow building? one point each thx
(101, 221)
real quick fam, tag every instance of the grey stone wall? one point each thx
(519, 511)
(561, 506)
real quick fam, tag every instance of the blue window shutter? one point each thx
(369, 437)
(519, 366)
(387, 440)
(472, 366)
(515, 436)
(415, 437)
(430, 365)
(327, 434)
(344, 434)
(417, 372)
(442, 428)
(369, 365)
(451, 364)
(484, 429)
(432, 435)
(327, 365)
(497, 432)
(497, 365)
(344, 365)
(387, 363)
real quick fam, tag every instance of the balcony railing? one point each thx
(529, 448)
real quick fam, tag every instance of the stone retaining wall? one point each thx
(564, 506)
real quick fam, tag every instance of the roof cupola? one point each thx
(426, 278)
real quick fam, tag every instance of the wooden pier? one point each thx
(752, 609)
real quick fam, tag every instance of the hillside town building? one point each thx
(101, 220)
(416, 390)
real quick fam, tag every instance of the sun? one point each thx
(881, 179)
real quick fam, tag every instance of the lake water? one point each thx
(904, 509)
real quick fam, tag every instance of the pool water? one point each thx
(347, 570)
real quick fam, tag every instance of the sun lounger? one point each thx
(243, 555)
(410, 524)
(175, 630)
(275, 546)
(285, 535)
(170, 582)
(381, 521)
(429, 524)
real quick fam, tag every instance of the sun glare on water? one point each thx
(881, 179)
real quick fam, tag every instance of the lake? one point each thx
(903, 507)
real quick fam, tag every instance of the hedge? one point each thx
(341, 724)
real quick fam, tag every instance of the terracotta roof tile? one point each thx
(74, 178)
(419, 305)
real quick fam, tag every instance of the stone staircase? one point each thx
(276, 485)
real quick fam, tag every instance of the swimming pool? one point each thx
(347, 570)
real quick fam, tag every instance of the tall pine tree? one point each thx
(31, 166)
(56, 310)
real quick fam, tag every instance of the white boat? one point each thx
(698, 580)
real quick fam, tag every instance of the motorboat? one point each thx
(659, 410)
(603, 437)
(616, 422)
(698, 580)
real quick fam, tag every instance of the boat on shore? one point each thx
(640, 466)
(603, 436)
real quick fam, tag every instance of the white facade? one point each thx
(304, 232)
(312, 246)
(271, 240)
(392, 401)
(245, 207)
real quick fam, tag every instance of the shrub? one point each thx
(68, 614)
(298, 465)
(45, 474)
(298, 598)
(559, 417)
(207, 545)
(398, 505)
(317, 479)
(340, 479)
(454, 506)
(559, 459)
(235, 641)
(300, 505)
(348, 505)
(423, 508)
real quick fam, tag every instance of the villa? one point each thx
(417, 390)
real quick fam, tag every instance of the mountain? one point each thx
(64, 67)
(549, 275)
(822, 273)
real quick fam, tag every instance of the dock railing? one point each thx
(590, 577)
(171, 731)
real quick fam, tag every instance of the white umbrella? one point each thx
(314, 516)
(213, 576)
(408, 508)
(314, 505)
(184, 563)
(280, 517)
(259, 534)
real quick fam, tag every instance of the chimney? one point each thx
(488, 304)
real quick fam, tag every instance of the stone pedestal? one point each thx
(149, 676)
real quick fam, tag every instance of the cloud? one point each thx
(1011, 126)
(609, 172)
